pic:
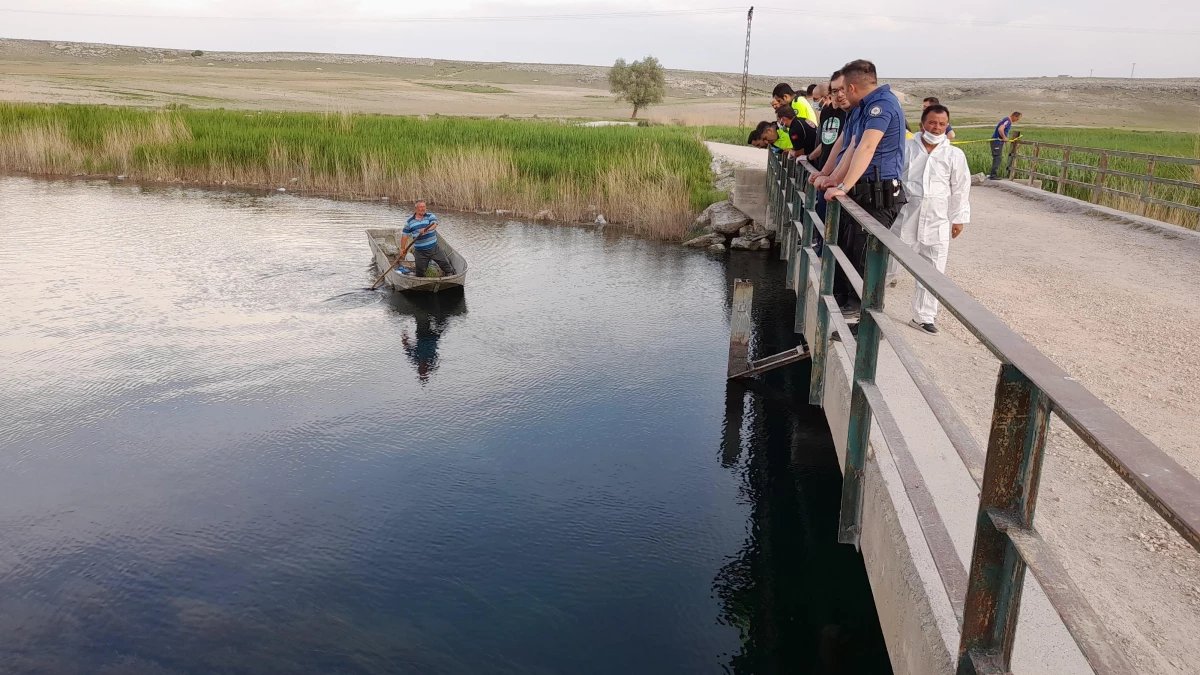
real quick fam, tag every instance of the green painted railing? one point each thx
(986, 596)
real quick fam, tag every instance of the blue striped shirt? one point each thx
(415, 225)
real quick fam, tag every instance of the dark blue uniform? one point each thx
(878, 191)
(880, 110)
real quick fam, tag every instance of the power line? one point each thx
(411, 19)
(981, 23)
(975, 23)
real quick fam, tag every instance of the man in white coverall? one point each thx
(937, 182)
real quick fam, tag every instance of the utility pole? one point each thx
(745, 72)
(1131, 70)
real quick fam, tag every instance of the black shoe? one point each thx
(850, 311)
(924, 327)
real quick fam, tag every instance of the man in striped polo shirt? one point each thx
(423, 226)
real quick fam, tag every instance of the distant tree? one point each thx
(197, 53)
(641, 83)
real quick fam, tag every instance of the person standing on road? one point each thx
(869, 171)
(783, 94)
(999, 138)
(937, 183)
(801, 133)
(833, 118)
(814, 100)
(933, 100)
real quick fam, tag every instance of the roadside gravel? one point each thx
(1114, 306)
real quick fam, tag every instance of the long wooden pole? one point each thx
(403, 253)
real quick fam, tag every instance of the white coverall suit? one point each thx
(937, 185)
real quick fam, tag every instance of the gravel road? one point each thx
(1115, 306)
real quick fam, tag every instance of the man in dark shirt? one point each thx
(833, 118)
(999, 138)
(803, 133)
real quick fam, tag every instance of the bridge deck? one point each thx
(1115, 306)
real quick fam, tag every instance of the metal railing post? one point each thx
(770, 187)
(788, 233)
(1062, 179)
(1100, 173)
(806, 229)
(786, 217)
(1146, 187)
(866, 357)
(816, 385)
(1010, 484)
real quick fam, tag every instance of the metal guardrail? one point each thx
(986, 596)
(1097, 186)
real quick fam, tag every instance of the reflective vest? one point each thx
(803, 110)
(784, 142)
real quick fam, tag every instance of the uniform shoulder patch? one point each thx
(875, 111)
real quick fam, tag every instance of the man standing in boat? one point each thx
(422, 226)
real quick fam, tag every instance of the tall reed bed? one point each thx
(652, 180)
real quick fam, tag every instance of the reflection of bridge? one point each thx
(946, 529)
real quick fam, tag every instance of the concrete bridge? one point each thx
(1109, 298)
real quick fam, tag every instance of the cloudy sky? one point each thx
(954, 38)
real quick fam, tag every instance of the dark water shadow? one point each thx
(432, 314)
(800, 600)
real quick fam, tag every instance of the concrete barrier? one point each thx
(750, 195)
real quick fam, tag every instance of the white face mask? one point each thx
(933, 140)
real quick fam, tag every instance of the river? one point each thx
(221, 455)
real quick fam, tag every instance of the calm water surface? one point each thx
(219, 455)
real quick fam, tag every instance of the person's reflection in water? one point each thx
(432, 313)
(422, 351)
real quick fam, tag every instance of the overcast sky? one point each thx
(989, 38)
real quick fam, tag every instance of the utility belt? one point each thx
(877, 194)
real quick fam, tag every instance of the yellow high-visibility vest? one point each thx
(803, 109)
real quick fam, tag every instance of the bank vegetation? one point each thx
(652, 180)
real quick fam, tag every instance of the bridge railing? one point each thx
(986, 596)
(1132, 181)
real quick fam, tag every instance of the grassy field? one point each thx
(652, 180)
(1149, 142)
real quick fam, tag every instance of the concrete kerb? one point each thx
(1065, 204)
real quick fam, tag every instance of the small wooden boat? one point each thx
(384, 248)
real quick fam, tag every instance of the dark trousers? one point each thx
(819, 229)
(997, 158)
(852, 239)
(422, 257)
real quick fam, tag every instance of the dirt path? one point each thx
(1115, 307)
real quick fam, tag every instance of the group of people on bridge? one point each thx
(853, 131)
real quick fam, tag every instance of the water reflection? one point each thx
(800, 601)
(431, 314)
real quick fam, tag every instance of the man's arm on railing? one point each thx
(830, 166)
(859, 163)
(839, 167)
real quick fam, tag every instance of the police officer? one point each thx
(869, 169)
